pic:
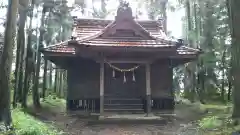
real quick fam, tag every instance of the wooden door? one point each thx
(116, 87)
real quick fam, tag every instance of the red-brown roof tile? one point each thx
(125, 42)
(89, 27)
(64, 48)
(60, 48)
(88, 31)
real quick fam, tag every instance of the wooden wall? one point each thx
(161, 79)
(83, 81)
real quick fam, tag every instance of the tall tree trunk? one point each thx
(60, 84)
(229, 88)
(6, 62)
(44, 78)
(103, 6)
(55, 81)
(36, 98)
(189, 77)
(235, 31)
(223, 76)
(17, 96)
(28, 62)
(50, 75)
(230, 79)
(164, 15)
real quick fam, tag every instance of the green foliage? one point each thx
(52, 101)
(210, 122)
(218, 120)
(206, 27)
(25, 124)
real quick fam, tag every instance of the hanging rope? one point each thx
(122, 70)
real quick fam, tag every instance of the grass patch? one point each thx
(218, 120)
(53, 102)
(215, 118)
(217, 125)
(210, 122)
(25, 124)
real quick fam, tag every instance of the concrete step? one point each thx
(124, 110)
(123, 101)
(123, 105)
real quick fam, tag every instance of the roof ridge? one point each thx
(111, 25)
(144, 30)
(96, 34)
(100, 19)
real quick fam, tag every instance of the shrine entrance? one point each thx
(123, 84)
(123, 90)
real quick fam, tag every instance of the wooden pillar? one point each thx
(101, 88)
(148, 89)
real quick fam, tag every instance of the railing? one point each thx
(93, 105)
(86, 105)
(160, 104)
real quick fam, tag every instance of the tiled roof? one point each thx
(92, 36)
(64, 48)
(88, 33)
(125, 42)
(60, 48)
(88, 27)
(122, 33)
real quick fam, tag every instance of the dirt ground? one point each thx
(180, 124)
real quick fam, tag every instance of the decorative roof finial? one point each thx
(124, 11)
(180, 42)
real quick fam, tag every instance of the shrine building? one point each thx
(119, 65)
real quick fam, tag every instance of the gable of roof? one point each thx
(89, 27)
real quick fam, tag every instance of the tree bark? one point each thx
(189, 76)
(50, 75)
(44, 78)
(36, 98)
(223, 76)
(6, 62)
(19, 58)
(164, 14)
(55, 81)
(235, 33)
(27, 60)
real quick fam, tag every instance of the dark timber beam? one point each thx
(148, 88)
(101, 89)
(132, 61)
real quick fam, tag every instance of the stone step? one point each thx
(122, 101)
(123, 106)
(122, 110)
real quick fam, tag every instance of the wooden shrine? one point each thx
(119, 65)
